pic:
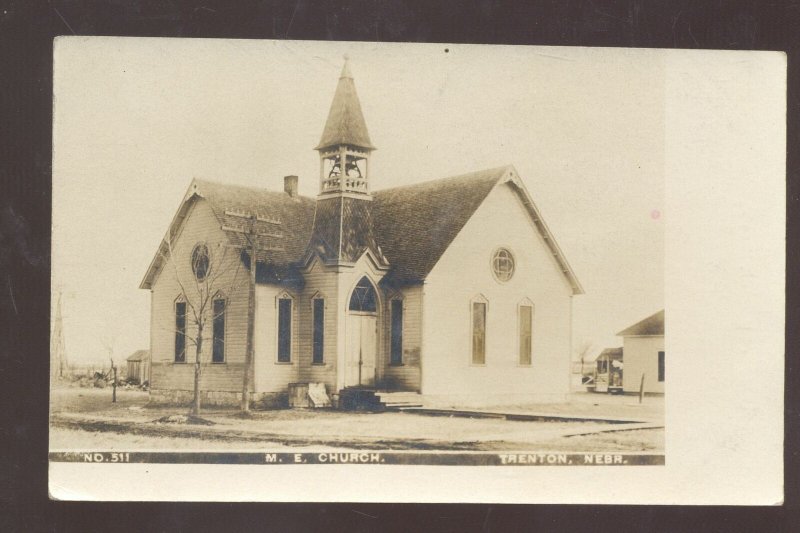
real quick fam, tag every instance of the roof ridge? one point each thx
(266, 190)
(477, 174)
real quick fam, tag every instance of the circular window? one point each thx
(503, 264)
(200, 261)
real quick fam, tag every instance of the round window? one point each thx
(200, 261)
(503, 264)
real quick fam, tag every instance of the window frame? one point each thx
(202, 245)
(396, 359)
(372, 287)
(290, 298)
(511, 257)
(178, 333)
(314, 299)
(528, 304)
(219, 297)
(480, 299)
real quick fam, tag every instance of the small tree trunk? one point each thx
(198, 352)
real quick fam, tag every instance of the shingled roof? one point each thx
(652, 325)
(345, 124)
(285, 220)
(344, 229)
(415, 224)
(409, 227)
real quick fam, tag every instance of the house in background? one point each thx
(139, 366)
(643, 346)
(605, 359)
(454, 289)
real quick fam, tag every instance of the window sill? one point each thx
(319, 364)
(479, 365)
(397, 364)
(284, 362)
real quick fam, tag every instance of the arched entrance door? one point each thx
(362, 335)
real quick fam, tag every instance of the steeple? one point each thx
(345, 147)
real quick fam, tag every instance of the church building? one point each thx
(454, 289)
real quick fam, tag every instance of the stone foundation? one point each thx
(183, 398)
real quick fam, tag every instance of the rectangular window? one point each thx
(397, 333)
(478, 333)
(284, 330)
(660, 366)
(218, 348)
(318, 334)
(525, 334)
(180, 332)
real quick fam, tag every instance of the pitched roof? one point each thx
(139, 355)
(345, 124)
(287, 221)
(411, 226)
(415, 224)
(652, 325)
(610, 353)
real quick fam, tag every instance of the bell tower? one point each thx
(345, 147)
(343, 225)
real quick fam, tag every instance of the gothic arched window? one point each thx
(364, 297)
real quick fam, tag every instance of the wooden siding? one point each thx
(200, 226)
(270, 375)
(640, 356)
(322, 281)
(404, 377)
(464, 275)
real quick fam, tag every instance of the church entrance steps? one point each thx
(401, 400)
(367, 399)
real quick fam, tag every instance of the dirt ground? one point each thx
(86, 419)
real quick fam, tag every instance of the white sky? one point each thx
(136, 119)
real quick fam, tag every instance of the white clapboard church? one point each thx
(454, 289)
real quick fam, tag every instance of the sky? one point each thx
(135, 120)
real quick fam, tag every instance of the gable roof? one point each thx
(652, 325)
(412, 226)
(139, 355)
(286, 219)
(416, 223)
(345, 124)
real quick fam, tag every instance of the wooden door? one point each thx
(361, 350)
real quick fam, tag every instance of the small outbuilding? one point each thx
(643, 346)
(607, 358)
(139, 365)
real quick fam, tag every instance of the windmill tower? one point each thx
(58, 357)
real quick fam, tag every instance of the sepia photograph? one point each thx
(334, 253)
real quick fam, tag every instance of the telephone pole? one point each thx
(58, 358)
(251, 234)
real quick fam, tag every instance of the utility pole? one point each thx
(114, 384)
(58, 359)
(251, 234)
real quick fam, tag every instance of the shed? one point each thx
(643, 344)
(139, 365)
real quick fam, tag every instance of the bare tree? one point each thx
(214, 275)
